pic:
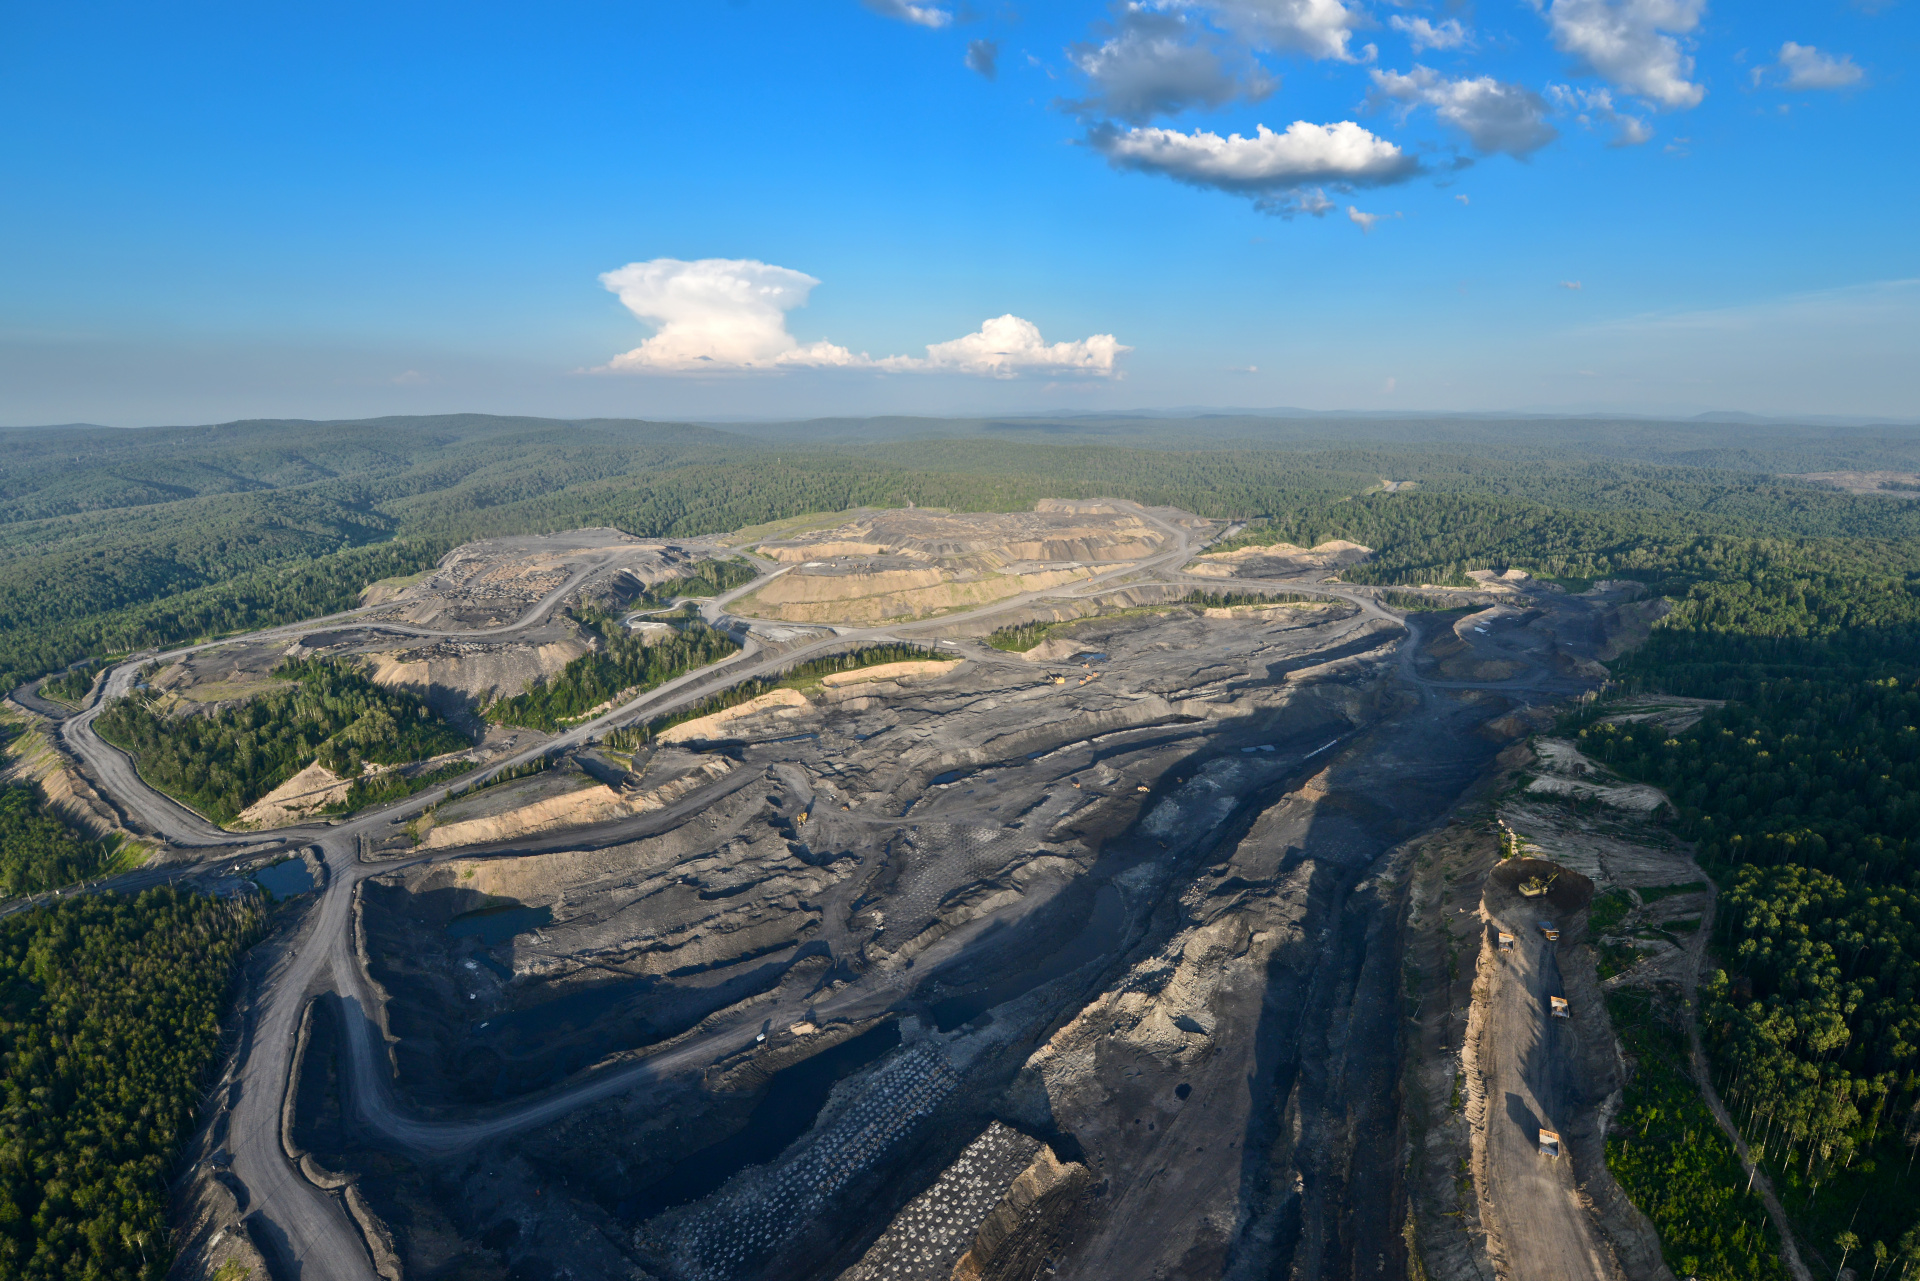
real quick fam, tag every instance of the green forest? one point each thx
(40, 852)
(625, 662)
(177, 534)
(109, 1019)
(72, 685)
(1802, 794)
(1800, 604)
(221, 762)
(1672, 1160)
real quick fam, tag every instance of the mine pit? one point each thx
(956, 973)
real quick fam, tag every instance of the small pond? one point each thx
(285, 879)
(495, 925)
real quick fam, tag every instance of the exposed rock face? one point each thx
(458, 675)
(1281, 560)
(306, 793)
(890, 672)
(32, 758)
(579, 802)
(785, 703)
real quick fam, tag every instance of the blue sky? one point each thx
(749, 209)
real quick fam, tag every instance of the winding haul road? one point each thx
(305, 1226)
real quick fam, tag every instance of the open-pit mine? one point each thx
(1072, 943)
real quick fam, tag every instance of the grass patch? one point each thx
(1674, 1162)
(794, 526)
(1615, 958)
(1654, 893)
(1608, 911)
(1414, 603)
(398, 581)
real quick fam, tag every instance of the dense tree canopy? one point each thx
(109, 1018)
(625, 662)
(220, 762)
(38, 851)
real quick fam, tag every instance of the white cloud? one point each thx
(1308, 200)
(1494, 115)
(1424, 35)
(1593, 107)
(1631, 44)
(1156, 62)
(1465, 200)
(1572, 286)
(1802, 66)
(983, 56)
(1315, 28)
(729, 315)
(716, 313)
(1364, 221)
(920, 15)
(1007, 346)
(1266, 163)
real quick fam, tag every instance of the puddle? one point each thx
(285, 879)
(494, 925)
(500, 971)
(1088, 656)
(792, 1101)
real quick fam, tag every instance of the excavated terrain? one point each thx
(1083, 962)
(882, 566)
(495, 581)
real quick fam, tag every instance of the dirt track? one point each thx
(1538, 1224)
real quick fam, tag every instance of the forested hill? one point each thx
(115, 540)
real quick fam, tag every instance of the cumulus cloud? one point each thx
(1424, 35)
(1802, 66)
(1008, 346)
(1160, 62)
(1364, 221)
(1573, 286)
(1316, 28)
(1267, 164)
(1594, 108)
(729, 315)
(983, 56)
(1632, 44)
(1495, 115)
(920, 15)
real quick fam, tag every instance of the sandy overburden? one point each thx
(915, 563)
